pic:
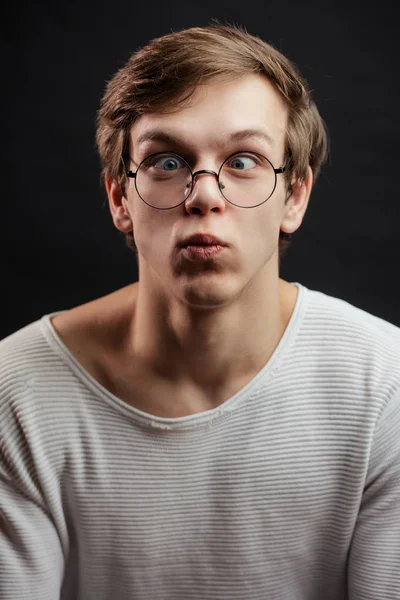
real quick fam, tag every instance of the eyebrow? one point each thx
(157, 135)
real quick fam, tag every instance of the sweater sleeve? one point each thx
(374, 561)
(31, 559)
(31, 555)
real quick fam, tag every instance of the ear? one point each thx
(296, 205)
(118, 206)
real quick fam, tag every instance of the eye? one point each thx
(167, 162)
(242, 163)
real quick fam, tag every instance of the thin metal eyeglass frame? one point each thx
(133, 175)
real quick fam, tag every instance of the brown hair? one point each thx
(162, 77)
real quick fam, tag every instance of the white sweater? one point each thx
(290, 490)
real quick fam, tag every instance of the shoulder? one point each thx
(22, 351)
(350, 348)
(39, 361)
(29, 368)
(44, 398)
(30, 365)
(330, 314)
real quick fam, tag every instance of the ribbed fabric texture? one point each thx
(290, 490)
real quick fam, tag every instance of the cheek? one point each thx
(266, 226)
(152, 229)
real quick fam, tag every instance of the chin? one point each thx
(207, 294)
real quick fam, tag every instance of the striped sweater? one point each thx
(289, 490)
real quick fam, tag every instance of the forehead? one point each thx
(219, 111)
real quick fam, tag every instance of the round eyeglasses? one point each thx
(164, 180)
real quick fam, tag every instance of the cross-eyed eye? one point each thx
(242, 163)
(167, 162)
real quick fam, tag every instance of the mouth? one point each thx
(202, 240)
(201, 247)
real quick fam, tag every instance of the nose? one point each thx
(206, 194)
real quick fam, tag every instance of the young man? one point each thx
(211, 431)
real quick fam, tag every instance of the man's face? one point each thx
(202, 134)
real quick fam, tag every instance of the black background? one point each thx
(59, 246)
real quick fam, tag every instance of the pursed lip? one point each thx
(201, 239)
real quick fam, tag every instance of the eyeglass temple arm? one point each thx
(130, 174)
(280, 170)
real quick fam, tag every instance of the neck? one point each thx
(207, 349)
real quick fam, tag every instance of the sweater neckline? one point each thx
(189, 421)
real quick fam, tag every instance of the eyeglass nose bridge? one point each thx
(194, 175)
(204, 171)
